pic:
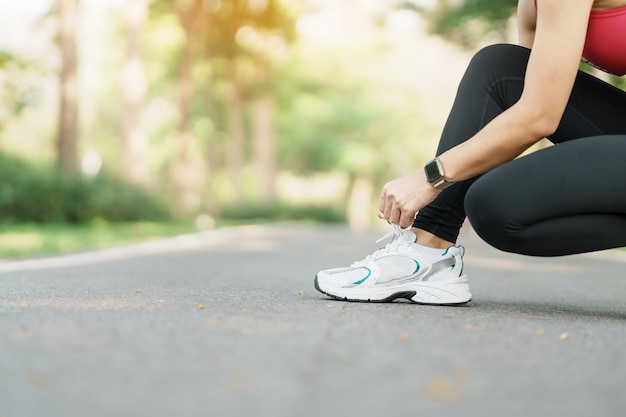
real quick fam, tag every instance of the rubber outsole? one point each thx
(408, 295)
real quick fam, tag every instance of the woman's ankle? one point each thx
(430, 240)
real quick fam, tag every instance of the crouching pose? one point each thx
(565, 199)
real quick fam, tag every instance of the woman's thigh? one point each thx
(565, 199)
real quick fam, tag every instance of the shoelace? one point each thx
(396, 240)
(394, 234)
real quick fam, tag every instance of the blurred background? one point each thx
(159, 116)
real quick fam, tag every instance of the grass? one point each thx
(27, 241)
(38, 240)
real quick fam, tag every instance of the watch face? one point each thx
(432, 171)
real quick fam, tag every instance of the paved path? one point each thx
(227, 323)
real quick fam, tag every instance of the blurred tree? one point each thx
(337, 124)
(134, 87)
(67, 139)
(264, 141)
(467, 22)
(224, 71)
(18, 89)
(189, 13)
(245, 39)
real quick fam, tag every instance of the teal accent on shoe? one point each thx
(417, 266)
(361, 281)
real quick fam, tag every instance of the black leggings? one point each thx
(564, 199)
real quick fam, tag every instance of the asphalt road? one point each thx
(227, 323)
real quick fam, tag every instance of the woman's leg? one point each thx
(566, 199)
(493, 82)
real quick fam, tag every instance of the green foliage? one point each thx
(327, 130)
(34, 240)
(619, 82)
(466, 22)
(40, 194)
(19, 87)
(280, 212)
(114, 200)
(325, 124)
(338, 106)
(6, 59)
(454, 13)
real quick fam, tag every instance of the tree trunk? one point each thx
(214, 158)
(67, 139)
(264, 145)
(236, 133)
(360, 203)
(181, 172)
(185, 92)
(134, 86)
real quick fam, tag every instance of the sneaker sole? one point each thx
(411, 295)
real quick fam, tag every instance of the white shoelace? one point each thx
(396, 240)
(394, 234)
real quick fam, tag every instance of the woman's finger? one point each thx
(388, 208)
(396, 214)
(406, 219)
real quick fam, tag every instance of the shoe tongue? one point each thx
(409, 236)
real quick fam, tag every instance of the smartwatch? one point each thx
(434, 174)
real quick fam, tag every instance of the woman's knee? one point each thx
(501, 52)
(510, 57)
(489, 215)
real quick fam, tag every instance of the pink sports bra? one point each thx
(605, 45)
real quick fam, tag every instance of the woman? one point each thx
(566, 199)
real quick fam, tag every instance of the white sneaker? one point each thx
(402, 269)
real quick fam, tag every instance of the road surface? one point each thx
(227, 323)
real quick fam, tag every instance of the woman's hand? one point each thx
(402, 198)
